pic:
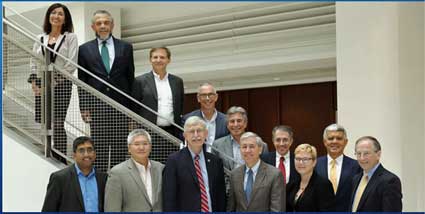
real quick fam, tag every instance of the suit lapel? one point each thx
(210, 169)
(259, 178)
(152, 85)
(118, 53)
(188, 159)
(174, 89)
(370, 185)
(240, 184)
(155, 183)
(345, 172)
(76, 185)
(97, 59)
(135, 174)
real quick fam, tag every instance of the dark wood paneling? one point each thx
(190, 103)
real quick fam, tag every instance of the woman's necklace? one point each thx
(54, 37)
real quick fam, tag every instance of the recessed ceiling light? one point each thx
(276, 78)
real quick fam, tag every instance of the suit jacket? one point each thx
(224, 146)
(120, 76)
(268, 192)
(318, 196)
(64, 191)
(126, 192)
(382, 193)
(144, 90)
(180, 183)
(350, 167)
(294, 177)
(220, 122)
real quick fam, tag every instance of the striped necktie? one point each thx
(204, 198)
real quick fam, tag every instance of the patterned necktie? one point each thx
(105, 56)
(204, 198)
(249, 183)
(333, 175)
(359, 193)
(282, 168)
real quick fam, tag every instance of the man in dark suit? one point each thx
(193, 179)
(337, 167)
(375, 189)
(255, 186)
(283, 137)
(161, 91)
(79, 187)
(111, 60)
(216, 121)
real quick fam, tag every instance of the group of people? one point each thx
(105, 59)
(192, 178)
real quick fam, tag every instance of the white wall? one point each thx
(25, 175)
(380, 84)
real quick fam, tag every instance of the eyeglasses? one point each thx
(364, 154)
(207, 96)
(89, 150)
(303, 160)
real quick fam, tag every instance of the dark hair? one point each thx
(163, 48)
(374, 141)
(81, 140)
(67, 24)
(283, 128)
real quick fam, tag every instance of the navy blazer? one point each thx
(318, 196)
(180, 183)
(64, 191)
(350, 167)
(270, 158)
(120, 76)
(144, 90)
(220, 122)
(382, 193)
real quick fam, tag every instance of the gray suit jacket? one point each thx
(268, 192)
(224, 150)
(125, 191)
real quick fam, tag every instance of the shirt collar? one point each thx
(79, 172)
(338, 159)
(140, 166)
(234, 141)
(157, 75)
(109, 41)
(212, 118)
(201, 154)
(286, 156)
(372, 171)
(254, 168)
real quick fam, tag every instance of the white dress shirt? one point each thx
(165, 100)
(287, 164)
(145, 175)
(111, 49)
(211, 129)
(338, 167)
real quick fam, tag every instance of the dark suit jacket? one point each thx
(318, 196)
(350, 167)
(180, 183)
(144, 90)
(121, 74)
(382, 193)
(64, 192)
(220, 122)
(294, 177)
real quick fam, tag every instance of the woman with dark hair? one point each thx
(58, 35)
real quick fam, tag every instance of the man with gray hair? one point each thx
(337, 167)
(193, 178)
(228, 147)
(135, 184)
(216, 121)
(255, 186)
(111, 60)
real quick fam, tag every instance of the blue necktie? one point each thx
(105, 56)
(249, 183)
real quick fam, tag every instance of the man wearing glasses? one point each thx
(215, 120)
(337, 167)
(375, 189)
(79, 187)
(282, 158)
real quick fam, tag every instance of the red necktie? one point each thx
(204, 198)
(282, 168)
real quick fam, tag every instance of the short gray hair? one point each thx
(105, 12)
(247, 135)
(237, 109)
(138, 132)
(374, 141)
(206, 84)
(334, 128)
(194, 120)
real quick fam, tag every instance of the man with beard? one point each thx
(111, 60)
